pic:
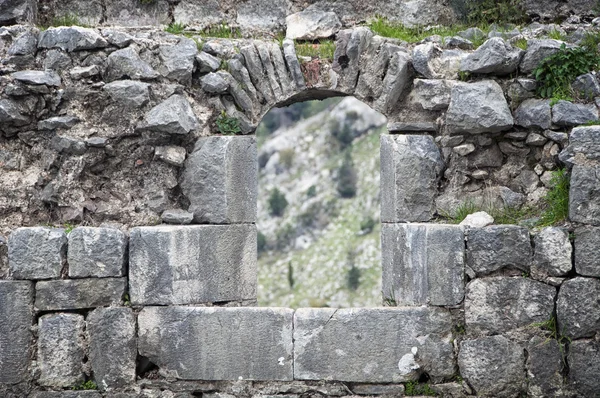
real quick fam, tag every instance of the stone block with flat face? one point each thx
(212, 343)
(578, 308)
(36, 252)
(372, 345)
(584, 194)
(192, 264)
(587, 242)
(72, 294)
(98, 252)
(584, 367)
(423, 263)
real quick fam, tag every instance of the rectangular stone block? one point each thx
(410, 169)
(423, 263)
(113, 346)
(16, 317)
(60, 350)
(212, 343)
(372, 345)
(96, 252)
(71, 294)
(584, 194)
(36, 252)
(587, 241)
(192, 264)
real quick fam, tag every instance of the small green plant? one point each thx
(459, 328)
(199, 44)
(462, 211)
(67, 20)
(68, 228)
(384, 27)
(126, 300)
(223, 31)
(557, 199)
(521, 43)
(227, 125)
(390, 299)
(556, 35)
(353, 278)
(322, 49)
(464, 76)
(277, 203)
(175, 28)
(414, 388)
(88, 385)
(312, 191)
(592, 123)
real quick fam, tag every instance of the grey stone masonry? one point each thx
(584, 367)
(495, 305)
(36, 252)
(16, 317)
(544, 367)
(578, 308)
(99, 252)
(210, 343)
(584, 194)
(553, 252)
(113, 348)
(79, 293)
(495, 247)
(192, 264)
(410, 169)
(60, 349)
(587, 241)
(72, 394)
(220, 180)
(372, 344)
(423, 263)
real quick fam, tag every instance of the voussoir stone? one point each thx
(219, 179)
(72, 294)
(127, 64)
(312, 25)
(228, 343)
(578, 307)
(222, 266)
(565, 113)
(36, 252)
(72, 38)
(494, 56)
(498, 304)
(38, 77)
(128, 92)
(553, 252)
(587, 241)
(172, 116)
(495, 247)
(534, 113)
(493, 366)
(478, 108)
(16, 316)
(96, 252)
(423, 263)
(410, 169)
(377, 345)
(584, 367)
(537, 51)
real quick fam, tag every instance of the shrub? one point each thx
(480, 12)
(227, 125)
(346, 185)
(342, 132)
(261, 242)
(353, 278)
(277, 203)
(175, 28)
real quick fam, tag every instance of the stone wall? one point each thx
(114, 130)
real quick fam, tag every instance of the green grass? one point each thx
(556, 200)
(396, 30)
(521, 43)
(67, 20)
(414, 388)
(323, 49)
(592, 123)
(88, 385)
(556, 35)
(175, 28)
(223, 31)
(503, 215)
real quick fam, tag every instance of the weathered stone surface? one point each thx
(410, 168)
(395, 82)
(56, 60)
(36, 252)
(262, 15)
(71, 394)
(587, 241)
(423, 263)
(544, 367)
(207, 62)
(534, 113)
(113, 346)
(498, 304)
(172, 116)
(67, 145)
(495, 247)
(537, 51)
(177, 61)
(220, 178)
(134, 13)
(464, 149)
(229, 343)
(494, 56)
(60, 350)
(24, 44)
(534, 139)
(566, 113)
(403, 127)
(71, 38)
(58, 122)
(578, 308)
(350, 45)
(478, 219)
(311, 25)
(117, 38)
(127, 64)
(97, 252)
(128, 92)
(372, 344)
(584, 194)
(291, 60)
(584, 367)
(39, 77)
(79, 293)
(432, 94)
(494, 366)
(173, 155)
(393, 390)
(587, 86)
(222, 266)
(16, 317)
(17, 11)
(422, 56)
(11, 114)
(552, 253)
(177, 216)
(584, 141)
(478, 108)
(214, 83)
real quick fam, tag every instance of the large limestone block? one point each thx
(172, 116)
(136, 13)
(178, 60)
(16, 316)
(495, 305)
(375, 345)
(587, 242)
(98, 252)
(410, 169)
(583, 141)
(494, 56)
(584, 194)
(423, 263)
(36, 252)
(397, 78)
(553, 252)
(71, 38)
(534, 113)
(70, 294)
(478, 108)
(578, 308)
(492, 248)
(545, 365)
(494, 366)
(17, 11)
(127, 64)
(113, 346)
(220, 180)
(567, 114)
(584, 367)
(537, 51)
(212, 343)
(130, 93)
(311, 25)
(192, 264)
(60, 349)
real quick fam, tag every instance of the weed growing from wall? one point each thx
(322, 49)
(414, 388)
(88, 385)
(227, 125)
(557, 199)
(175, 28)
